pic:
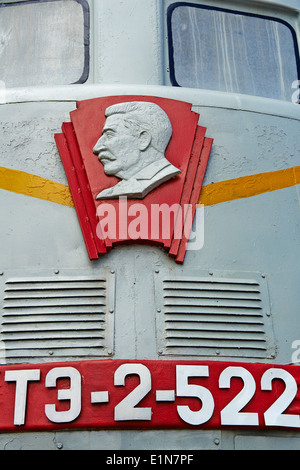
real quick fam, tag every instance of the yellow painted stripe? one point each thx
(35, 186)
(247, 186)
(216, 193)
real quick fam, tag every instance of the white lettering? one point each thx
(157, 222)
(118, 460)
(21, 377)
(296, 354)
(107, 225)
(196, 237)
(138, 228)
(123, 213)
(164, 210)
(73, 394)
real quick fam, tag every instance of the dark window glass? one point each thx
(224, 50)
(44, 42)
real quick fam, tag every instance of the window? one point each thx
(44, 42)
(225, 50)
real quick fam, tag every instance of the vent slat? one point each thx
(235, 284)
(47, 293)
(57, 318)
(212, 302)
(210, 294)
(225, 317)
(53, 310)
(51, 326)
(61, 335)
(28, 287)
(52, 302)
(216, 335)
(32, 345)
(213, 308)
(58, 282)
(211, 343)
(211, 326)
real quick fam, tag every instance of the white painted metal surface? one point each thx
(244, 238)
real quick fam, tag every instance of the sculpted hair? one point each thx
(141, 115)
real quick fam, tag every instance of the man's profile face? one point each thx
(117, 148)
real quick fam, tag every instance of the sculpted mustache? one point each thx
(104, 156)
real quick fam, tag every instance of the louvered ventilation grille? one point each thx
(226, 317)
(59, 318)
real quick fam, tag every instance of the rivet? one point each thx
(56, 271)
(217, 442)
(157, 270)
(112, 271)
(59, 445)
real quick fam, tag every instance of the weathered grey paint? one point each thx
(257, 235)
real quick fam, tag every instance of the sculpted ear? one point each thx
(144, 140)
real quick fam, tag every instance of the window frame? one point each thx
(86, 27)
(170, 47)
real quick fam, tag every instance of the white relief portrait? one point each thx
(132, 147)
